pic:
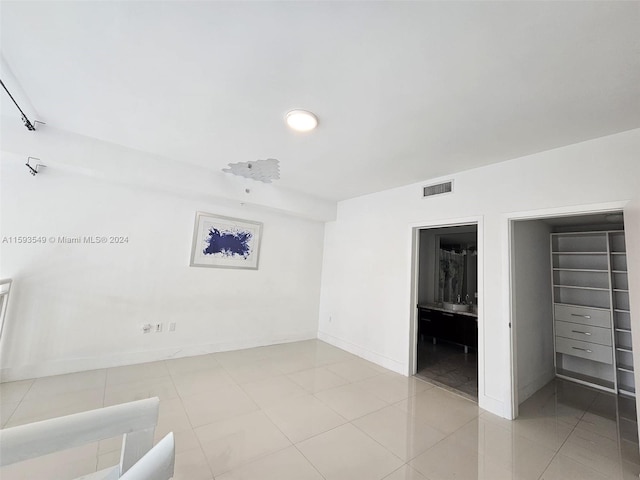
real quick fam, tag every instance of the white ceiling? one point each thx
(405, 91)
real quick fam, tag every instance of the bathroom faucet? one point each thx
(466, 300)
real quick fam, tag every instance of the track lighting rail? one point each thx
(27, 123)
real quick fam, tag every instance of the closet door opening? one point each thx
(571, 317)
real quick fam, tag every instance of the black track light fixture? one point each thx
(27, 123)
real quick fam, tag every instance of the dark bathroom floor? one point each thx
(447, 365)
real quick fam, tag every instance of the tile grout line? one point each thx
(33, 382)
(294, 444)
(193, 429)
(104, 397)
(259, 409)
(446, 436)
(262, 410)
(541, 477)
(310, 462)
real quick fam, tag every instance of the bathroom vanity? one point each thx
(442, 323)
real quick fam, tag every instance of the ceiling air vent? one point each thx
(438, 189)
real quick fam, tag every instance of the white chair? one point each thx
(156, 464)
(139, 459)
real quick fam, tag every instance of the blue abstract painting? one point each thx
(225, 242)
(228, 243)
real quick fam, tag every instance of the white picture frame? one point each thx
(225, 242)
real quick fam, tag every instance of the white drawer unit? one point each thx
(587, 350)
(584, 315)
(585, 333)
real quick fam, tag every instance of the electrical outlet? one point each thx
(146, 328)
(172, 326)
(158, 327)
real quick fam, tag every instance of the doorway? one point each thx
(569, 303)
(447, 307)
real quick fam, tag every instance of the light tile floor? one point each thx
(309, 411)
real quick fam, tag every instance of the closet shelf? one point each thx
(626, 390)
(579, 253)
(582, 305)
(582, 288)
(585, 270)
(604, 309)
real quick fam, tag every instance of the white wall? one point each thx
(78, 307)
(367, 273)
(632, 241)
(532, 306)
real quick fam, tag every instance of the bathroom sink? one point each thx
(456, 307)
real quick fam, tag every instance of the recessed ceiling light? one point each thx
(301, 120)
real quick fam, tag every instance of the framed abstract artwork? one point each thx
(225, 242)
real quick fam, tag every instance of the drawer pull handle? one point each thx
(583, 333)
(447, 314)
(583, 316)
(583, 349)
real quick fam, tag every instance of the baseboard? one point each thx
(72, 365)
(365, 353)
(493, 405)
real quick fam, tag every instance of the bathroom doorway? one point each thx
(447, 307)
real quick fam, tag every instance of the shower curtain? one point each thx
(451, 275)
